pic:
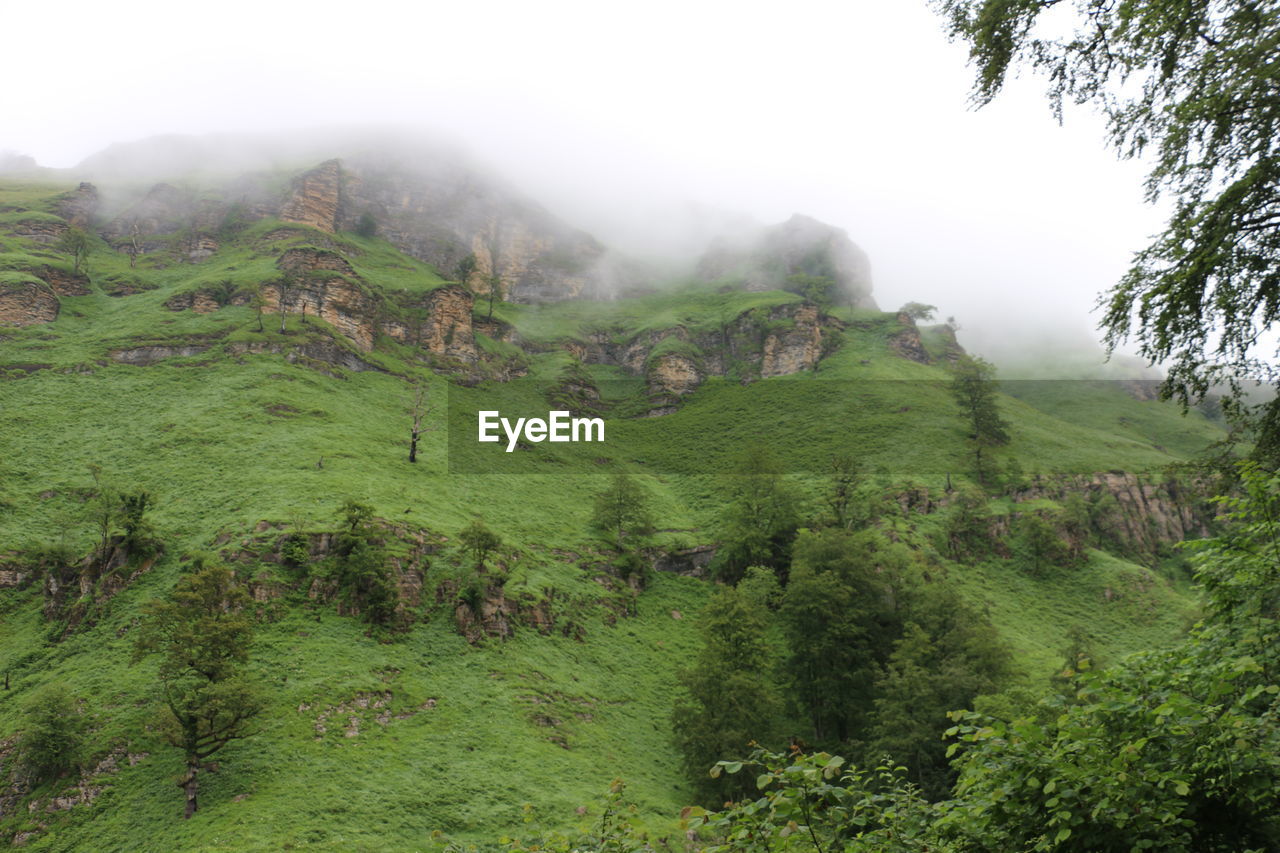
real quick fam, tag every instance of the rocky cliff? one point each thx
(802, 246)
(26, 300)
(756, 344)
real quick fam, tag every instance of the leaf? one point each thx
(1063, 835)
(1050, 786)
(763, 780)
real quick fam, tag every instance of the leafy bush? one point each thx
(52, 733)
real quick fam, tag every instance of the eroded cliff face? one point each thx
(440, 322)
(906, 341)
(443, 211)
(315, 197)
(322, 284)
(1148, 513)
(80, 206)
(802, 245)
(757, 344)
(27, 301)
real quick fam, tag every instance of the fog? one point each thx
(653, 126)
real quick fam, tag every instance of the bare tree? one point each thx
(494, 278)
(419, 408)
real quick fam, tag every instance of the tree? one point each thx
(258, 302)
(818, 289)
(622, 511)
(478, 542)
(846, 474)
(1194, 85)
(974, 388)
(76, 242)
(418, 409)
(202, 634)
(918, 311)
(359, 566)
(842, 611)
(367, 226)
(948, 654)
(731, 701)
(760, 515)
(968, 527)
(1174, 749)
(1039, 543)
(466, 268)
(285, 287)
(52, 733)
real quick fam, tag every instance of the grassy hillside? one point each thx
(226, 440)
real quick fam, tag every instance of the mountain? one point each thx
(240, 344)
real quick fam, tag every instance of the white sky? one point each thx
(614, 115)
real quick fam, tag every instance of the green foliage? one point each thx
(53, 729)
(760, 585)
(367, 226)
(840, 616)
(818, 289)
(847, 475)
(1176, 749)
(359, 567)
(919, 311)
(816, 802)
(760, 515)
(1038, 543)
(477, 542)
(202, 634)
(974, 387)
(731, 699)
(947, 656)
(623, 513)
(466, 268)
(1192, 87)
(968, 525)
(76, 243)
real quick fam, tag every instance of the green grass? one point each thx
(225, 441)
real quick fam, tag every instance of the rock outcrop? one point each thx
(906, 341)
(802, 245)
(322, 284)
(440, 210)
(760, 343)
(79, 207)
(314, 198)
(26, 301)
(438, 321)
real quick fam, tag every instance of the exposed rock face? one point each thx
(906, 341)
(198, 301)
(314, 354)
(40, 230)
(315, 197)
(340, 303)
(801, 245)
(1152, 513)
(440, 210)
(796, 349)
(79, 207)
(143, 356)
(448, 330)
(27, 301)
(322, 284)
(761, 343)
(674, 374)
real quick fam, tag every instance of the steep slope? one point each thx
(159, 369)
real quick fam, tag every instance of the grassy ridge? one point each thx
(225, 441)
